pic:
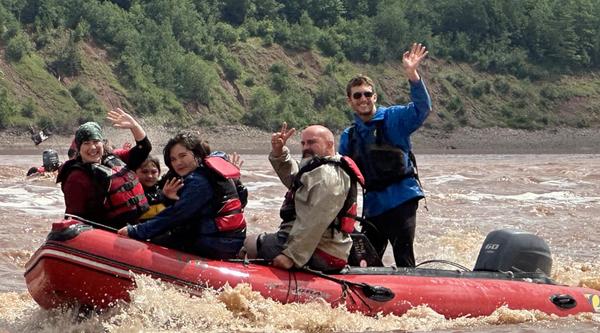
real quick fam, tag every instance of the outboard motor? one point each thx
(50, 160)
(516, 251)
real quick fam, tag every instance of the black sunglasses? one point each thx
(358, 95)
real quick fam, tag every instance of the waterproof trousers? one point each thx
(397, 226)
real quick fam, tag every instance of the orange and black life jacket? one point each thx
(230, 196)
(125, 194)
(345, 219)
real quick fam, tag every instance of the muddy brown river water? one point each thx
(554, 196)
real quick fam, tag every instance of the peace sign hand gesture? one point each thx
(411, 60)
(278, 139)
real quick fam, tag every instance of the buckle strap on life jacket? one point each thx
(133, 201)
(344, 221)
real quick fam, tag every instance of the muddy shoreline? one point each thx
(247, 140)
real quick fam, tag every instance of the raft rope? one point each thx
(376, 293)
(442, 261)
(290, 275)
(92, 223)
(346, 286)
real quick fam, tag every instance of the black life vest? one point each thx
(155, 202)
(381, 163)
(125, 194)
(345, 219)
(230, 195)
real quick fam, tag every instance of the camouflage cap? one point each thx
(88, 132)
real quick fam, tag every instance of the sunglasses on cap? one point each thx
(358, 95)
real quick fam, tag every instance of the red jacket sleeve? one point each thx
(78, 191)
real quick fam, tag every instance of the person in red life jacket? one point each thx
(35, 171)
(318, 209)
(99, 185)
(50, 163)
(160, 193)
(207, 218)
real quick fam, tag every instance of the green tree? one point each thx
(280, 80)
(262, 110)
(235, 11)
(391, 26)
(265, 9)
(224, 33)
(18, 47)
(68, 60)
(231, 67)
(325, 12)
(304, 35)
(196, 79)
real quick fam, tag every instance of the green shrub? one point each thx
(506, 111)
(480, 88)
(302, 36)
(328, 44)
(225, 33)
(86, 99)
(47, 122)
(18, 47)
(335, 118)
(231, 67)
(456, 105)
(268, 41)
(263, 108)
(147, 101)
(29, 109)
(196, 79)
(7, 107)
(280, 77)
(552, 92)
(501, 85)
(458, 80)
(265, 28)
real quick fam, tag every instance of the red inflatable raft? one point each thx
(81, 265)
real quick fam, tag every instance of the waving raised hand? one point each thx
(411, 60)
(278, 139)
(122, 119)
(236, 160)
(171, 187)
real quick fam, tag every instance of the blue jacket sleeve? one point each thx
(344, 147)
(195, 195)
(413, 115)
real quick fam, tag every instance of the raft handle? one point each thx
(564, 301)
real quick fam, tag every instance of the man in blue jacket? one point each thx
(379, 142)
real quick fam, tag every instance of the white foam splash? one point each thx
(32, 199)
(445, 179)
(555, 197)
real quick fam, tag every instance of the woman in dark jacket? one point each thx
(190, 224)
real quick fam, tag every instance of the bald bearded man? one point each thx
(319, 206)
